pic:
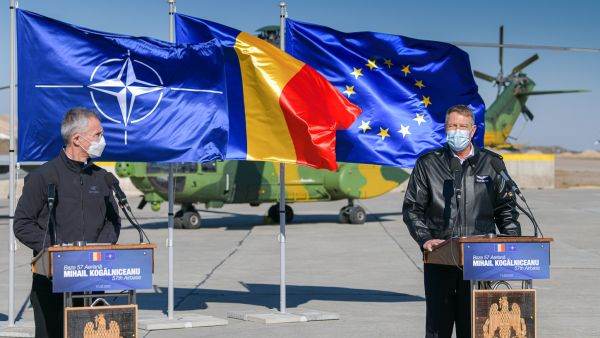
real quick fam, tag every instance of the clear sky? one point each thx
(568, 120)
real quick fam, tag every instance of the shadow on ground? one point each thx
(267, 295)
(234, 221)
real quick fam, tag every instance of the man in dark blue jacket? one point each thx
(84, 208)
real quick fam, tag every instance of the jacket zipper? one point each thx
(464, 200)
(82, 216)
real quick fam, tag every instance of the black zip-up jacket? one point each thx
(431, 209)
(84, 209)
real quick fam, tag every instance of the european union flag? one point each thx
(403, 85)
(157, 101)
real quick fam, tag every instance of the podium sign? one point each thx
(506, 261)
(101, 270)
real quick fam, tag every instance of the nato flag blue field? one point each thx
(403, 85)
(157, 101)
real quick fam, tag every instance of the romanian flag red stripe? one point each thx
(310, 130)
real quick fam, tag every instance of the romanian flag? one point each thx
(500, 247)
(96, 256)
(280, 109)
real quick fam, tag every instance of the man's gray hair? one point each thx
(460, 109)
(75, 121)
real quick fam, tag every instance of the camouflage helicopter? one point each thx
(252, 182)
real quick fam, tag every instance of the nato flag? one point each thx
(157, 101)
(404, 87)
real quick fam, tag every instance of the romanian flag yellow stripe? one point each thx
(265, 72)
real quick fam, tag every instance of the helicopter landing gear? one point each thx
(353, 214)
(187, 218)
(273, 213)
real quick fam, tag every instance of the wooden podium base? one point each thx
(503, 313)
(119, 321)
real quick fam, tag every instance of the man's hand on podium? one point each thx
(432, 243)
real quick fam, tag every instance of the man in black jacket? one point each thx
(433, 213)
(84, 208)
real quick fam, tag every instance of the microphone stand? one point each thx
(529, 214)
(51, 219)
(134, 223)
(499, 167)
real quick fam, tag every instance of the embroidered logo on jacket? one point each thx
(482, 179)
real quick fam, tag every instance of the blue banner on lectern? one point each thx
(506, 261)
(101, 270)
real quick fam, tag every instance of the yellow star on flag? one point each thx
(371, 64)
(426, 101)
(420, 84)
(406, 70)
(388, 63)
(383, 132)
(364, 126)
(349, 91)
(357, 72)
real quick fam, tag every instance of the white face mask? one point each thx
(96, 148)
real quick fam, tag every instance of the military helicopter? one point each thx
(513, 91)
(252, 182)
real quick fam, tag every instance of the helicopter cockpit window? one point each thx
(183, 168)
(209, 167)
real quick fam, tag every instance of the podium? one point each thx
(490, 263)
(92, 273)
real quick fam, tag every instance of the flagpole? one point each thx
(12, 166)
(171, 293)
(282, 239)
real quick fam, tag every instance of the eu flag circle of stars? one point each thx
(365, 125)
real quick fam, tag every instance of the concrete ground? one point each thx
(369, 274)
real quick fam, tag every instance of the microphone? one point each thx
(500, 168)
(456, 168)
(113, 184)
(51, 198)
(51, 195)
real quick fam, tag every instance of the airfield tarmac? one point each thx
(369, 274)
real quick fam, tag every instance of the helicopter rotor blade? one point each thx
(525, 46)
(484, 76)
(501, 50)
(518, 68)
(550, 92)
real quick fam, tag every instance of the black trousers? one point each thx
(448, 301)
(47, 308)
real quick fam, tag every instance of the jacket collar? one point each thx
(472, 161)
(72, 165)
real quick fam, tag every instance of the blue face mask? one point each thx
(458, 139)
